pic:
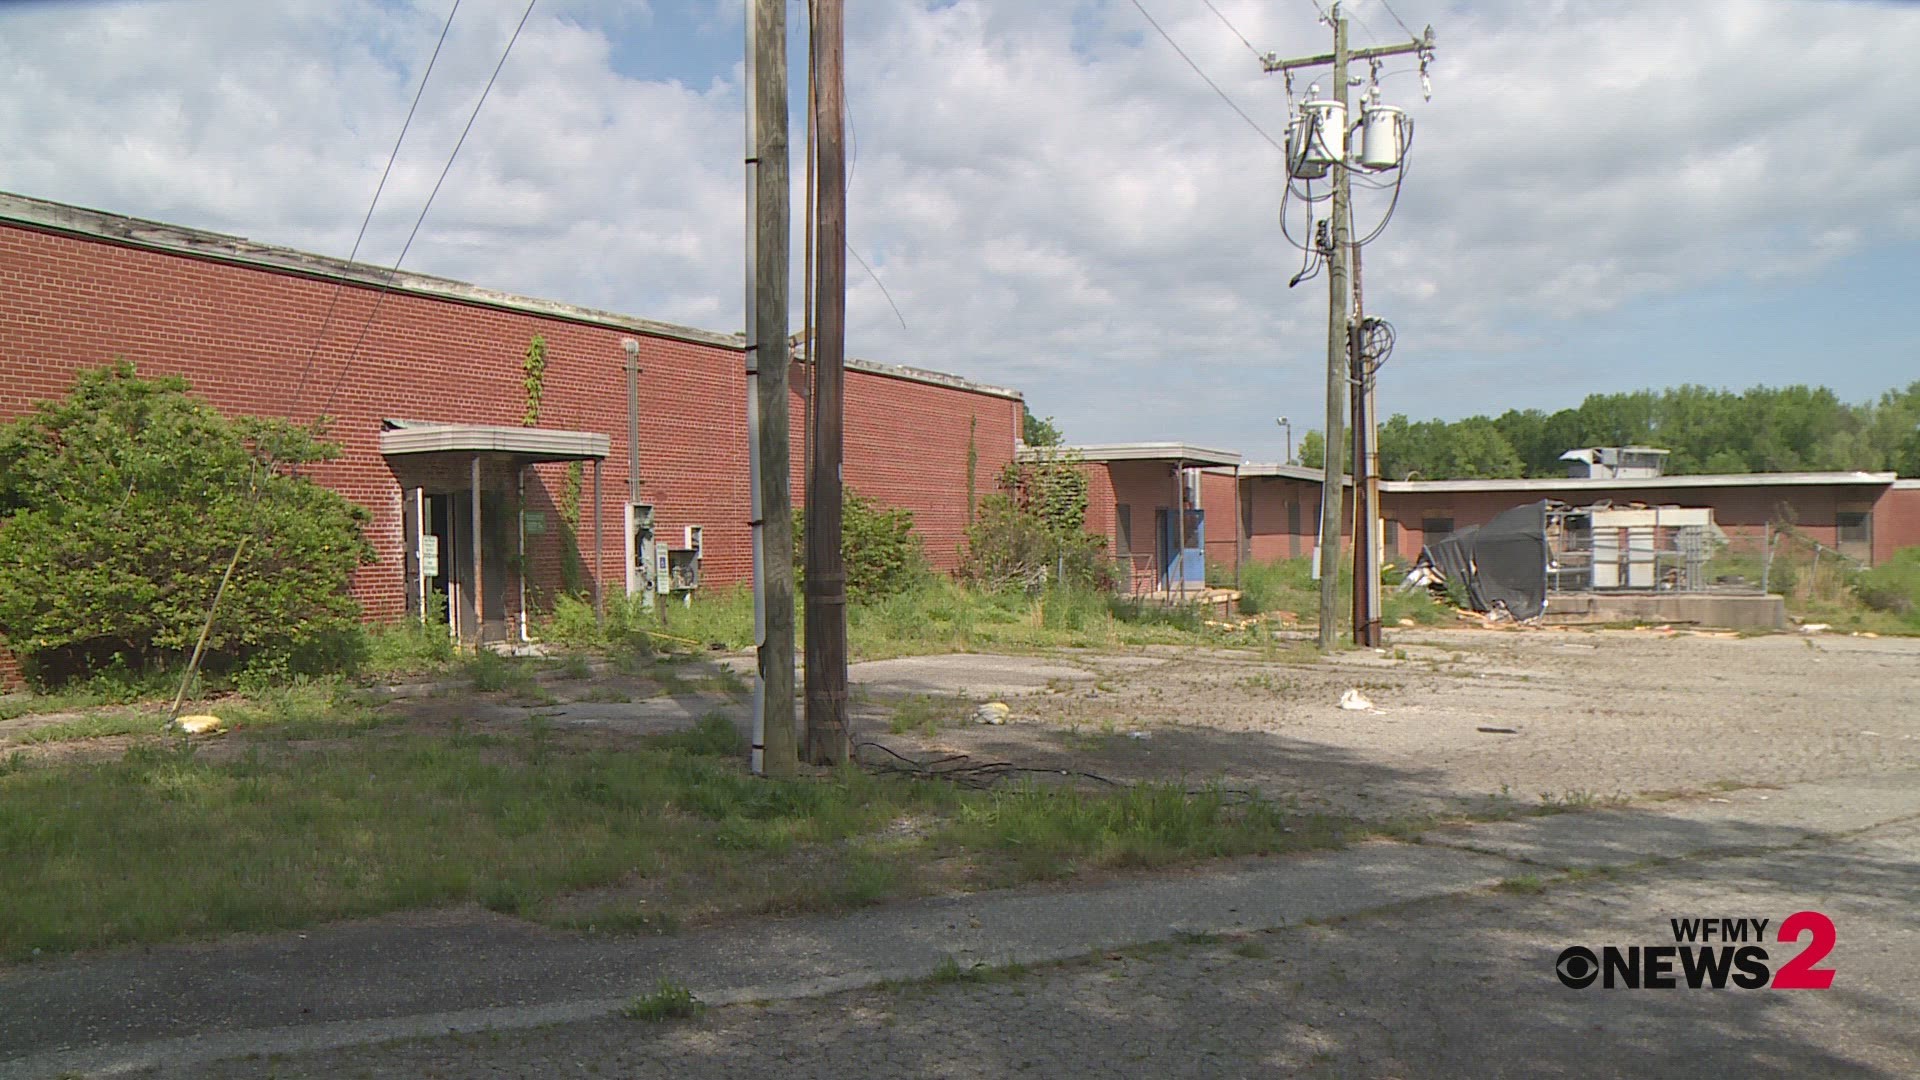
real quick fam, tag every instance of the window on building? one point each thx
(1123, 531)
(1853, 527)
(1436, 527)
(1390, 536)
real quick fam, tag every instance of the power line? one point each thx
(1396, 18)
(417, 222)
(1216, 87)
(1257, 54)
(393, 155)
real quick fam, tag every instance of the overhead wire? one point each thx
(393, 155)
(1209, 81)
(270, 458)
(387, 286)
(1257, 54)
(255, 478)
(1396, 18)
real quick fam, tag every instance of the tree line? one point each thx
(1763, 429)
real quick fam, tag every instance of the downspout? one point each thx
(520, 478)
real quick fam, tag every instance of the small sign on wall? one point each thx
(429, 556)
(536, 522)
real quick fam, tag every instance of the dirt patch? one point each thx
(1587, 716)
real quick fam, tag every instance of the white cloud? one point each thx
(1053, 198)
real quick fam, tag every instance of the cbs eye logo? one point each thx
(1577, 967)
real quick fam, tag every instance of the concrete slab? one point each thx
(973, 675)
(1737, 821)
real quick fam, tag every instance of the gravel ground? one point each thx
(1462, 986)
(1595, 715)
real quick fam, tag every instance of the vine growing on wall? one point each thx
(973, 465)
(534, 366)
(571, 577)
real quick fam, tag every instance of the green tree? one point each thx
(120, 506)
(880, 552)
(1313, 450)
(1037, 432)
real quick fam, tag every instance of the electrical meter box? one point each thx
(641, 557)
(678, 569)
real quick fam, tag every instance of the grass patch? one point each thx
(1523, 885)
(94, 726)
(1289, 585)
(926, 713)
(1252, 950)
(489, 672)
(669, 1001)
(317, 807)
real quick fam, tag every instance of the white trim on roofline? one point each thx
(1710, 480)
(1139, 451)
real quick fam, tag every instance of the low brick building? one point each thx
(425, 382)
(1133, 490)
(1867, 516)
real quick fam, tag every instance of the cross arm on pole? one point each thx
(1423, 44)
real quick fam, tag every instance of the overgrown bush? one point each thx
(1032, 533)
(120, 506)
(1893, 586)
(882, 553)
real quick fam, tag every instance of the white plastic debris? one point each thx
(1355, 701)
(993, 712)
(1140, 735)
(1815, 628)
(199, 724)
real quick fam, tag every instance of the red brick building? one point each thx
(435, 395)
(1868, 516)
(1864, 515)
(1133, 490)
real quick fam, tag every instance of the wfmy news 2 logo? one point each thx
(1708, 953)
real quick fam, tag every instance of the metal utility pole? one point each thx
(1338, 250)
(634, 551)
(771, 502)
(827, 739)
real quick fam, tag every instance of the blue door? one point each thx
(1182, 556)
(1193, 550)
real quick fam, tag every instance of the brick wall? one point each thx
(1896, 520)
(243, 335)
(1220, 500)
(1286, 518)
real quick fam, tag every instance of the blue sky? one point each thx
(1604, 196)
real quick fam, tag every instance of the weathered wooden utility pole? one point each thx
(1341, 319)
(827, 741)
(767, 357)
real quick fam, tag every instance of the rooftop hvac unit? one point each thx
(1383, 136)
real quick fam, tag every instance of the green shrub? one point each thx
(1893, 586)
(1010, 546)
(882, 553)
(409, 646)
(120, 506)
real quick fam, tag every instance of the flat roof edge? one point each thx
(222, 247)
(432, 438)
(1703, 480)
(1141, 451)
